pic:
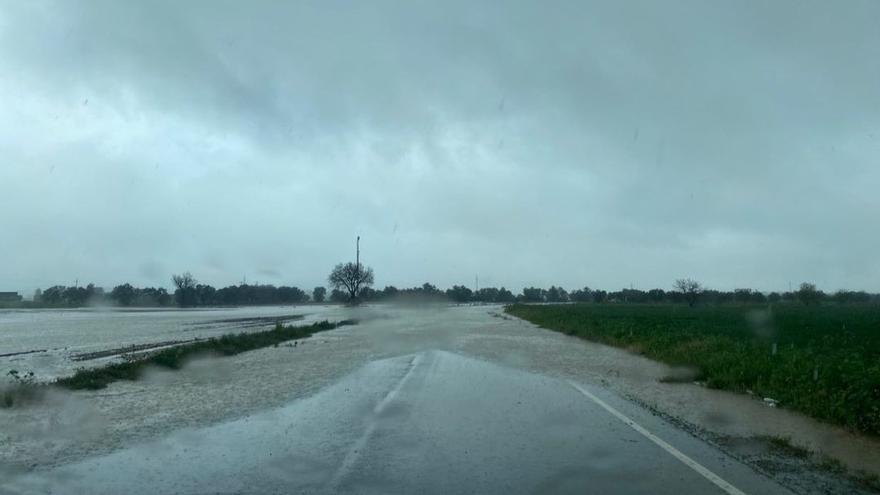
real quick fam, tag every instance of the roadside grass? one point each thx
(171, 358)
(823, 361)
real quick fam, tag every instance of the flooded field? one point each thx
(73, 426)
(54, 342)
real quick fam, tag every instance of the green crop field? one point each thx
(821, 360)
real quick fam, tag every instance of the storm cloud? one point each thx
(529, 143)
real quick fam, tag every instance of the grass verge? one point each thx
(823, 361)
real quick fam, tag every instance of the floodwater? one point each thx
(84, 426)
(433, 422)
(51, 342)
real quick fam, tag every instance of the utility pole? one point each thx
(357, 267)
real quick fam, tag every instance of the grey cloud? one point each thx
(600, 143)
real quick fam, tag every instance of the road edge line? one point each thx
(699, 468)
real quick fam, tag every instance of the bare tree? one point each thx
(186, 286)
(184, 281)
(352, 278)
(690, 289)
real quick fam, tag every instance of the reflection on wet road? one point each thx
(428, 422)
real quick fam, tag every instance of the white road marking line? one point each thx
(354, 453)
(709, 475)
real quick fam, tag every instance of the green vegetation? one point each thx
(23, 391)
(822, 360)
(26, 390)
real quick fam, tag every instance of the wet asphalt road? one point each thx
(429, 422)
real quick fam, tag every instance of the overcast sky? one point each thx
(536, 143)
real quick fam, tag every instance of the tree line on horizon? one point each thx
(189, 292)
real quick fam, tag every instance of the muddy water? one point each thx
(74, 425)
(434, 422)
(49, 341)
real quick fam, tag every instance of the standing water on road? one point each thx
(250, 387)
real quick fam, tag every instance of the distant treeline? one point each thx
(192, 294)
(461, 294)
(807, 294)
(123, 295)
(126, 295)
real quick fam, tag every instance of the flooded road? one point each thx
(433, 422)
(434, 398)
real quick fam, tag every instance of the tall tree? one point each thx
(351, 277)
(123, 294)
(809, 294)
(318, 294)
(556, 294)
(533, 294)
(186, 289)
(690, 290)
(460, 294)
